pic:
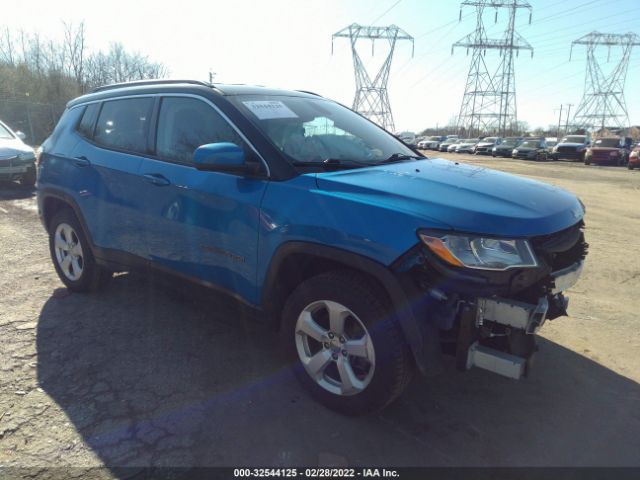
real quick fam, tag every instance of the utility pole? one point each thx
(566, 126)
(489, 101)
(559, 120)
(211, 75)
(371, 98)
(603, 102)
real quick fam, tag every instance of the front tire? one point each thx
(72, 256)
(347, 348)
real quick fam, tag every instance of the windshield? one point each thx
(434, 138)
(551, 143)
(573, 139)
(489, 140)
(315, 129)
(608, 142)
(531, 144)
(4, 132)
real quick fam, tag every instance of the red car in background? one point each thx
(634, 158)
(613, 150)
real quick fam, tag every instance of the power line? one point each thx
(386, 11)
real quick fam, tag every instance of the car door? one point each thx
(202, 224)
(109, 156)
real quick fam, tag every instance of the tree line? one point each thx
(38, 74)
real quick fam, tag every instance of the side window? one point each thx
(123, 124)
(85, 127)
(185, 124)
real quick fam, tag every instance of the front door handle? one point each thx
(156, 179)
(81, 161)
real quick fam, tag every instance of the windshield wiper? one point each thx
(333, 163)
(399, 157)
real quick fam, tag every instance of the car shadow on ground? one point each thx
(148, 377)
(15, 191)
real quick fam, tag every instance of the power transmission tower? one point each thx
(603, 101)
(489, 101)
(372, 99)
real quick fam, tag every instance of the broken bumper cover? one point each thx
(520, 317)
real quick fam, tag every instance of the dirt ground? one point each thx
(142, 374)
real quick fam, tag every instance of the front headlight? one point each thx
(26, 156)
(480, 253)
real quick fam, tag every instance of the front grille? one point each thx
(562, 249)
(602, 156)
(567, 149)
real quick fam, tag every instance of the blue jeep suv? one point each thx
(370, 259)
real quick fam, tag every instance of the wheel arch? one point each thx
(293, 262)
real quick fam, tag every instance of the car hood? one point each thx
(505, 147)
(486, 144)
(605, 149)
(467, 198)
(13, 146)
(570, 145)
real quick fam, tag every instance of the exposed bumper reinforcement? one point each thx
(495, 361)
(512, 313)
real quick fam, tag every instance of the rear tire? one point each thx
(349, 384)
(72, 256)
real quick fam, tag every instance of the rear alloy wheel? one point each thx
(72, 256)
(347, 348)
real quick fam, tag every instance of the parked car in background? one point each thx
(431, 143)
(408, 137)
(363, 254)
(571, 147)
(551, 142)
(17, 160)
(531, 149)
(611, 150)
(454, 146)
(634, 158)
(467, 145)
(485, 145)
(444, 146)
(505, 149)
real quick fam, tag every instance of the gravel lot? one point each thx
(148, 374)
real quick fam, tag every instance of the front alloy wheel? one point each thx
(335, 348)
(340, 332)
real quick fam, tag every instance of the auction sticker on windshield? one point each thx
(268, 109)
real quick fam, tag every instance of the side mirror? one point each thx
(223, 157)
(21, 135)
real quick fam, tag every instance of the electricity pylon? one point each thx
(372, 99)
(489, 101)
(603, 101)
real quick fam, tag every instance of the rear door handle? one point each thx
(81, 161)
(156, 179)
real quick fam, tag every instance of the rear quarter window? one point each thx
(88, 121)
(124, 124)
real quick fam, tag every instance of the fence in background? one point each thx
(36, 120)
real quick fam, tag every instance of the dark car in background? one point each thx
(505, 149)
(609, 150)
(571, 147)
(531, 149)
(485, 145)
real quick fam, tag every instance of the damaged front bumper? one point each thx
(513, 320)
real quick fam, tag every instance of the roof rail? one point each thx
(139, 83)
(310, 93)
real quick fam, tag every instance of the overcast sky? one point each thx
(287, 44)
